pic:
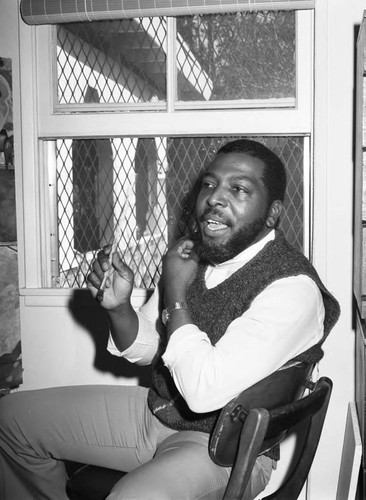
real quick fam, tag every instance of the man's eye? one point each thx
(207, 184)
(241, 189)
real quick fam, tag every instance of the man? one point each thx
(236, 303)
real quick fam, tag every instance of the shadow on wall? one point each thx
(90, 315)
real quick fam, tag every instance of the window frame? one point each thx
(171, 102)
(104, 120)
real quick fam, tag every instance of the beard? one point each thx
(216, 253)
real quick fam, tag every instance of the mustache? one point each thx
(212, 212)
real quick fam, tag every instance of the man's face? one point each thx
(232, 207)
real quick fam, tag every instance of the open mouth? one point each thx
(214, 223)
(214, 227)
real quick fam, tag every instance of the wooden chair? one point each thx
(249, 425)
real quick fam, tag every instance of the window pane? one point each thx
(122, 61)
(141, 191)
(248, 55)
(226, 57)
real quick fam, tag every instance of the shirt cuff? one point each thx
(144, 348)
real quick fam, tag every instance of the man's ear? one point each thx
(274, 213)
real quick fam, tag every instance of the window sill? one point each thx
(61, 297)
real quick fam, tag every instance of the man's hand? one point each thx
(179, 268)
(119, 281)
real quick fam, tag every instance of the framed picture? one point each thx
(351, 457)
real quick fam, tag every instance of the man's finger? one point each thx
(93, 280)
(123, 270)
(103, 257)
(184, 248)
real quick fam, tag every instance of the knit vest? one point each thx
(212, 310)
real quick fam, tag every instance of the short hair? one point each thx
(274, 172)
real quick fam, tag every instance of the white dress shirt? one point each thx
(284, 320)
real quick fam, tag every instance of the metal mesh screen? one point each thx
(140, 191)
(247, 55)
(123, 61)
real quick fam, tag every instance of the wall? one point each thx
(333, 220)
(57, 348)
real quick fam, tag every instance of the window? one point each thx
(246, 56)
(139, 107)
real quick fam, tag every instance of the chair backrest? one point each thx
(261, 425)
(280, 388)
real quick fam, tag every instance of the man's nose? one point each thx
(217, 197)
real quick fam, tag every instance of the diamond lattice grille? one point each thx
(121, 61)
(140, 191)
(247, 55)
(223, 57)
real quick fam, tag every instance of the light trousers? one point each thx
(109, 426)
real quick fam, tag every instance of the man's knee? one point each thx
(181, 469)
(132, 488)
(129, 488)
